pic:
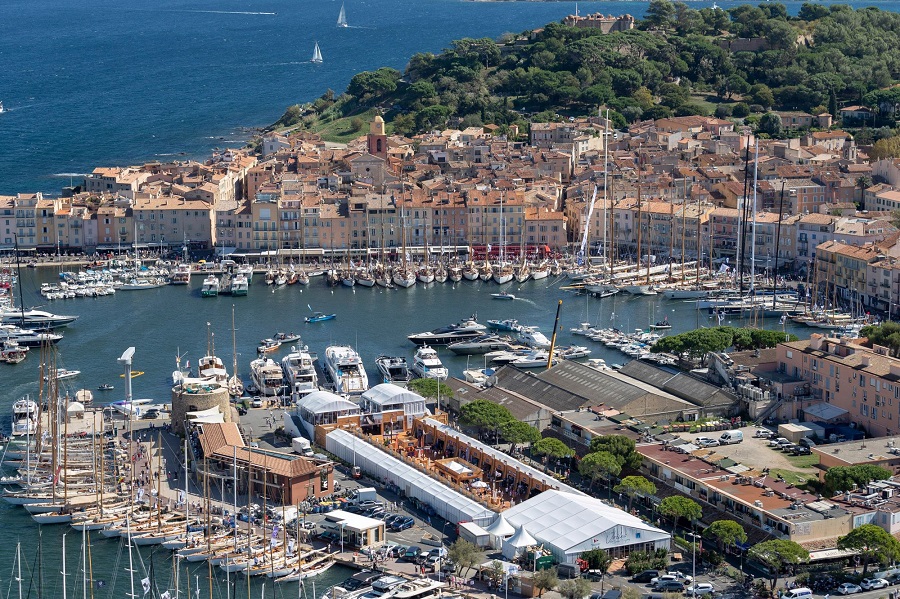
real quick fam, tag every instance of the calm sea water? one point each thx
(115, 82)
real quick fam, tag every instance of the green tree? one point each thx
(553, 448)
(600, 464)
(660, 14)
(622, 447)
(741, 110)
(885, 148)
(676, 507)
(371, 84)
(575, 588)
(495, 573)
(886, 334)
(517, 432)
(291, 116)
(484, 414)
(545, 580)
(405, 124)
(770, 124)
(777, 554)
(726, 533)
(430, 388)
(598, 559)
(632, 486)
(762, 94)
(846, 478)
(465, 555)
(870, 541)
(697, 343)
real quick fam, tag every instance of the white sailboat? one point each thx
(317, 55)
(342, 18)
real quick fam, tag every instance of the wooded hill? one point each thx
(677, 61)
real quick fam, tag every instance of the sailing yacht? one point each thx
(342, 18)
(317, 55)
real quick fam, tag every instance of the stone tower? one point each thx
(377, 140)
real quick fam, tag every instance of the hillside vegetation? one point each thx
(827, 57)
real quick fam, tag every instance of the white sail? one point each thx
(342, 18)
(317, 54)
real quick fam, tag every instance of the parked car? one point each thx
(777, 442)
(667, 586)
(801, 450)
(403, 524)
(763, 433)
(412, 553)
(700, 589)
(151, 414)
(705, 442)
(257, 402)
(391, 518)
(870, 584)
(645, 576)
(369, 503)
(673, 575)
(807, 442)
(848, 588)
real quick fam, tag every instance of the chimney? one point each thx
(865, 360)
(815, 341)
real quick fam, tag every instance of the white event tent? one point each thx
(569, 524)
(447, 503)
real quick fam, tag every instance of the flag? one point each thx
(310, 307)
(101, 584)
(165, 595)
(720, 316)
(145, 584)
(783, 319)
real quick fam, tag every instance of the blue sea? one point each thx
(115, 82)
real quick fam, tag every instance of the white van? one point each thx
(729, 437)
(799, 593)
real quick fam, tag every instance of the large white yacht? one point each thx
(427, 364)
(34, 319)
(266, 376)
(299, 371)
(346, 370)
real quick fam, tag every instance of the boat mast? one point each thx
(753, 224)
(777, 244)
(606, 203)
(63, 572)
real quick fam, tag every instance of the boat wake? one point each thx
(69, 174)
(219, 12)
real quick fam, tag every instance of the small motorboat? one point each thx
(63, 373)
(320, 317)
(503, 295)
(105, 387)
(268, 346)
(286, 337)
(663, 324)
(134, 374)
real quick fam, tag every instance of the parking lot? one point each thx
(753, 452)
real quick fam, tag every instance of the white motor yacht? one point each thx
(393, 369)
(210, 286)
(427, 364)
(299, 371)
(344, 366)
(532, 337)
(267, 376)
